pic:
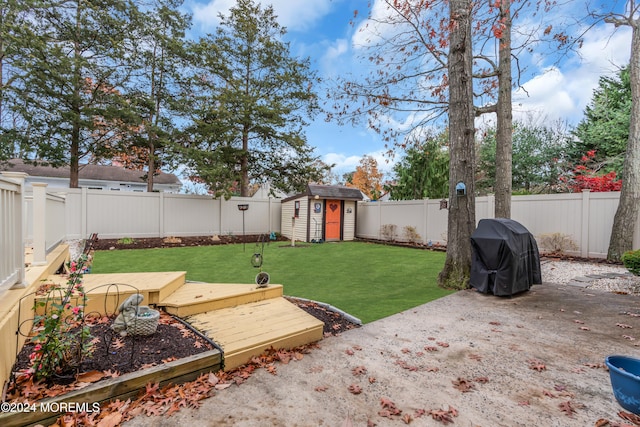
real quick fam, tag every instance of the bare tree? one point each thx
(462, 214)
(625, 220)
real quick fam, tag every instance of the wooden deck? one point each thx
(194, 298)
(248, 330)
(243, 319)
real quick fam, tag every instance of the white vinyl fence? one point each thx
(586, 218)
(129, 214)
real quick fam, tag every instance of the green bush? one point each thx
(631, 260)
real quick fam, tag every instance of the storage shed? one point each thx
(322, 213)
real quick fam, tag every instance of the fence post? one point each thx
(39, 223)
(161, 214)
(425, 208)
(83, 213)
(20, 225)
(491, 205)
(584, 232)
(379, 219)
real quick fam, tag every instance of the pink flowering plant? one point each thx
(62, 337)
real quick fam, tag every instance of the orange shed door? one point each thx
(332, 220)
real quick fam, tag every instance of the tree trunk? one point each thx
(244, 164)
(462, 217)
(504, 125)
(626, 218)
(74, 160)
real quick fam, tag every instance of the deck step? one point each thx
(106, 292)
(248, 330)
(194, 298)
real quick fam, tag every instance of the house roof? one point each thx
(88, 171)
(339, 192)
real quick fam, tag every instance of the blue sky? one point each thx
(327, 33)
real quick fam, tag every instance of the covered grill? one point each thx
(505, 259)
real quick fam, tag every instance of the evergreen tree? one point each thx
(605, 127)
(250, 101)
(423, 172)
(72, 76)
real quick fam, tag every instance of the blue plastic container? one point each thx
(625, 381)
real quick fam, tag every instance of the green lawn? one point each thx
(369, 281)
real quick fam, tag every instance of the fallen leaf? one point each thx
(463, 385)
(431, 348)
(118, 343)
(444, 416)
(624, 326)
(90, 377)
(321, 388)
(494, 323)
(372, 380)
(349, 352)
(355, 389)
(585, 328)
(112, 420)
(442, 344)
(359, 370)
(222, 386)
(475, 357)
(567, 408)
(579, 321)
(537, 365)
(628, 337)
(481, 380)
(548, 394)
(213, 380)
(627, 416)
(405, 350)
(407, 418)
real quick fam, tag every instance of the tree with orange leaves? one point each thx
(367, 178)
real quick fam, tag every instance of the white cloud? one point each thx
(564, 93)
(331, 61)
(345, 164)
(294, 15)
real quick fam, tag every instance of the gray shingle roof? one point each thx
(339, 192)
(96, 172)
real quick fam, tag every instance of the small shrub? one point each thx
(126, 241)
(631, 260)
(411, 234)
(389, 232)
(557, 243)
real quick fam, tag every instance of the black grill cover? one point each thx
(505, 258)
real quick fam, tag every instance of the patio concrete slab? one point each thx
(527, 357)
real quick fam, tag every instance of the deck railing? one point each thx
(12, 268)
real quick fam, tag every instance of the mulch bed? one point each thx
(172, 340)
(176, 242)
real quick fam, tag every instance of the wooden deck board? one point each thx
(248, 330)
(194, 298)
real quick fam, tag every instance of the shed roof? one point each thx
(88, 171)
(339, 192)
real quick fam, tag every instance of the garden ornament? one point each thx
(128, 311)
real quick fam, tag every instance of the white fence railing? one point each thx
(12, 268)
(586, 218)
